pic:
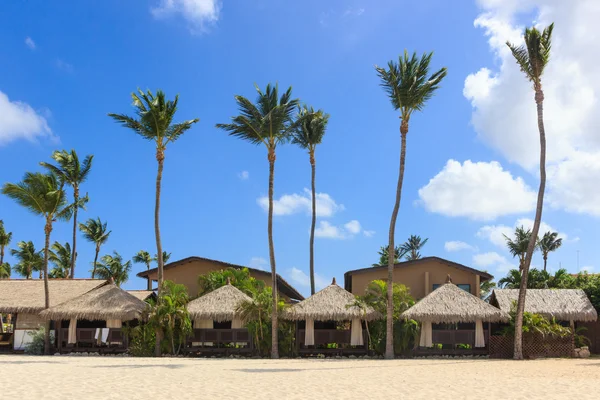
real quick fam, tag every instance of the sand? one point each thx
(62, 377)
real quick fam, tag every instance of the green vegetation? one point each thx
(113, 268)
(535, 324)
(238, 277)
(29, 259)
(60, 256)
(36, 346)
(95, 231)
(5, 238)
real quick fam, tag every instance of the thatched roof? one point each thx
(219, 305)
(142, 294)
(27, 295)
(103, 303)
(330, 304)
(562, 304)
(450, 304)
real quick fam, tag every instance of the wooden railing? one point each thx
(216, 338)
(456, 336)
(86, 340)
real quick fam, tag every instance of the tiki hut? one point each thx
(142, 294)
(560, 304)
(448, 304)
(332, 303)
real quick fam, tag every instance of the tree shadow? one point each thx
(166, 366)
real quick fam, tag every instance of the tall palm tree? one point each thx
(532, 58)
(518, 246)
(270, 122)
(73, 173)
(5, 271)
(43, 195)
(384, 254)
(95, 231)
(143, 257)
(5, 238)
(308, 134)
(112, 267)
(29, 260)
(549, 242)
(409, 86)
(412, 246)
(154, 122)
(60, 256)
(165, 257)
(511, 281)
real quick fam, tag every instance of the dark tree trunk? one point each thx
(545, 262)
(47, 231)
(160, 157)
(389, 339)
(158, 333)
(518, 350)
(95, 262)
(313, 223)
(274, 321)
(74, 255)
(149, 285)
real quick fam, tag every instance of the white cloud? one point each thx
(477, 190)
(493, 259)
(527, 223)
(294, 203)
(347, 231)
(199, 13)
(19, 121)
(353, 12)
(258, 263)
(244, 175)
(504, 112)
(353, 227)
(30, 43)
(369, 233)
(495, 233)
(588, 268)
(456, 245)
(300, 278)
(64, 66)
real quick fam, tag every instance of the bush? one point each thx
(36, 347)
(142, 339)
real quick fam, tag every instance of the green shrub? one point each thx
(36, 346)
(142, 339)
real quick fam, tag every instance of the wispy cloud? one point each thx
(258, 263)
(201, 14)
(300, 278)
(456, 245)
(30, 43)
(244, 175)
(326, 230)
(64, 66)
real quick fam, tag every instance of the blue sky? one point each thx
(470, 172)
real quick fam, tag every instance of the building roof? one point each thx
(282, 285)
(103, 303)
(142, 294)
(450, 304)
(27, 295)
(330, 304)
(562, 304)
(219, 305)
(404, 264)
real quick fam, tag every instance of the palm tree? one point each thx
(143, 257)
(113, 268)
(155, 122)
(73, 173)
(412, 246)
(384, 254)
(269, 122)
(409, 86)
(60, 256)
(95, 231)
(510, 281)
(5, 238)
(165, 257)
(43, 195)
(308, 134)
(549, 242)
(29, 259)
(518, 246)
(532, 58)
(5, 271)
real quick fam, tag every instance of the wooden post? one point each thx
(572, 323)
(477, 286)
(426, 283)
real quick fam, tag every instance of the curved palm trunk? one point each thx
(274, 327)
(312, 225)
(518, 350)
(160, 157)
(1, 255)
(545, 262)
(95, 261)
(47, 231)
(74, 255)
(389, 338)
(149, 285)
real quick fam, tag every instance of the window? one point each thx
(465, 287)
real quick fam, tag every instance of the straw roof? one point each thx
(27, 295)
(562, 304)
(219, 305)
(141, 294)
(450, 304)
(103, 303)
(330, 304)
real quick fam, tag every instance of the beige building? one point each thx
(421, 276)
(187, 271)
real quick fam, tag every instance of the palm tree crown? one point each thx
(29, 259)
(310, 128)
(5, 270)
(143, 257)
(548, 243)
(534, 55)
(412, 246)
(61, 258)
(518, 246)
(95, 231)
(113, 267)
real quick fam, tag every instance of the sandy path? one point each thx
(28, 377)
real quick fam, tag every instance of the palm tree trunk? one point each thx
(95, 261)
(74, 255)
(157, 342)
(518, 350)
(160, 157)
(1, 255)
(47, 231)
(312, 225)
(545, 261)
(274, 327)
(389, 339)
(149, 285)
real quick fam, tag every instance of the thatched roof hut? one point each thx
(142, 294)
(27, 295)
(450, 304)
(219, 305)
(330, 304)
(562, 304)
(108, 302)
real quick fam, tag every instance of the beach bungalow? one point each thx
(217, 327)
(329, 322)
(143, 294)
(24, 299)
(453, 318)
(93, 321)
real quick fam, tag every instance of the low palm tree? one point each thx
(95, 231)
(43, 195)
(518, 246)
(409, 86)
(60, 256)
(5, 238)
(5, 271)
(511, 281)
(532, 58)
(73, 173)
(170, 317)
(270, 122)
(165, 257)
(29, 260)
(411, 248)
(113, 268)
(143, 257)
(308, 134)
(384, 254)
(154, 122)
(548, 243)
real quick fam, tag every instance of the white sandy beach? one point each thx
(28, 377)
